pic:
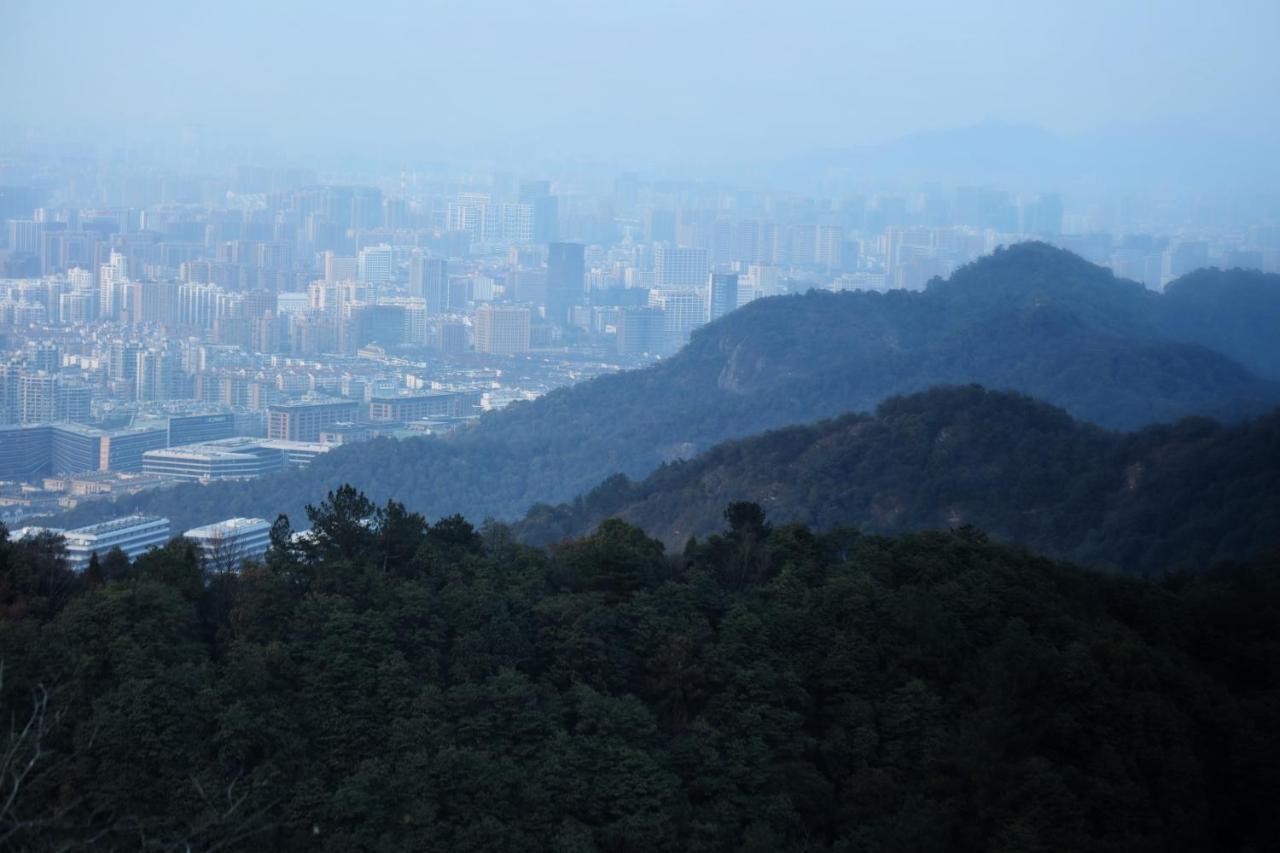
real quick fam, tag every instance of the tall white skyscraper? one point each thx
(111, 280)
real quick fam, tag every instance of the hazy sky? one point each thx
(641, 81)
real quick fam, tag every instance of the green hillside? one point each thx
(1030, 318)
(1177, 496)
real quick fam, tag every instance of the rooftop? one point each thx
(230, 525)
(116, 524)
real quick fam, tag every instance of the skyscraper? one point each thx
(502, 329)
(565, 279)
(722, 294)
(429, 281)
(680, 266)
(338, 268)
(375, 264)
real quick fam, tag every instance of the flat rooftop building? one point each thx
(412, 407)
(205, 462)
(133, 534)
(303, 421)
(226, 544)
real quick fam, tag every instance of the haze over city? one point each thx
(659, 426)
(643, 85)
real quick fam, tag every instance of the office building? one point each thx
(429, 281)
(565, 280)
(640, 331)
(225, 545)
(297, 454)
(206, 462)
(684, 309)
(338, 268)
(376, 264)
(680, 266)
(132, 534)
(303, 421)
(453, 338)
(25, 452)
(412, 407)
(722, 294)
(122, 449)
(193, 429)
(502, 329)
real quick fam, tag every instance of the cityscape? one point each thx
(687, 425)
(165, 328)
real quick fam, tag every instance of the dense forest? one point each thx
(1030, 318)
(385, 684)
(1179, 496)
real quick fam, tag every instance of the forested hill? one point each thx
(396, 686)
(1167, 497)
(1029, 318)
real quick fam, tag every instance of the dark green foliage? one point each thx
(1030, 318)
(399, 686)
(1169, 497)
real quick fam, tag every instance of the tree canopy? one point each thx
(392, 685)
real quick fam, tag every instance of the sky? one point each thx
(642, 82)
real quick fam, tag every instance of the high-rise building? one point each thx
(680, 266)
(376, 264)
(502, 329)
(640, 331)
(453, 338)
(1182, 257)
(828, 248)
(339, 268)
(684, 309)
(429, 281)
(43, 355)
(37, 398)
(24, 236)
(122, 366)
(722, 294)
(72, 402)
(565, 280)
(158, 375)
(467, 212)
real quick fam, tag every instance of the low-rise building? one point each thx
(225, 545)
(228, 460)
(133, 534)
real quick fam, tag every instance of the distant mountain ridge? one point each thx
(1175, 496)
(996, 153)
(1030, 318)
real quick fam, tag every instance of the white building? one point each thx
(376, 264)
(133, 534)
(684, 310)
(205, 462)
(681, 266)
(226, 544)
